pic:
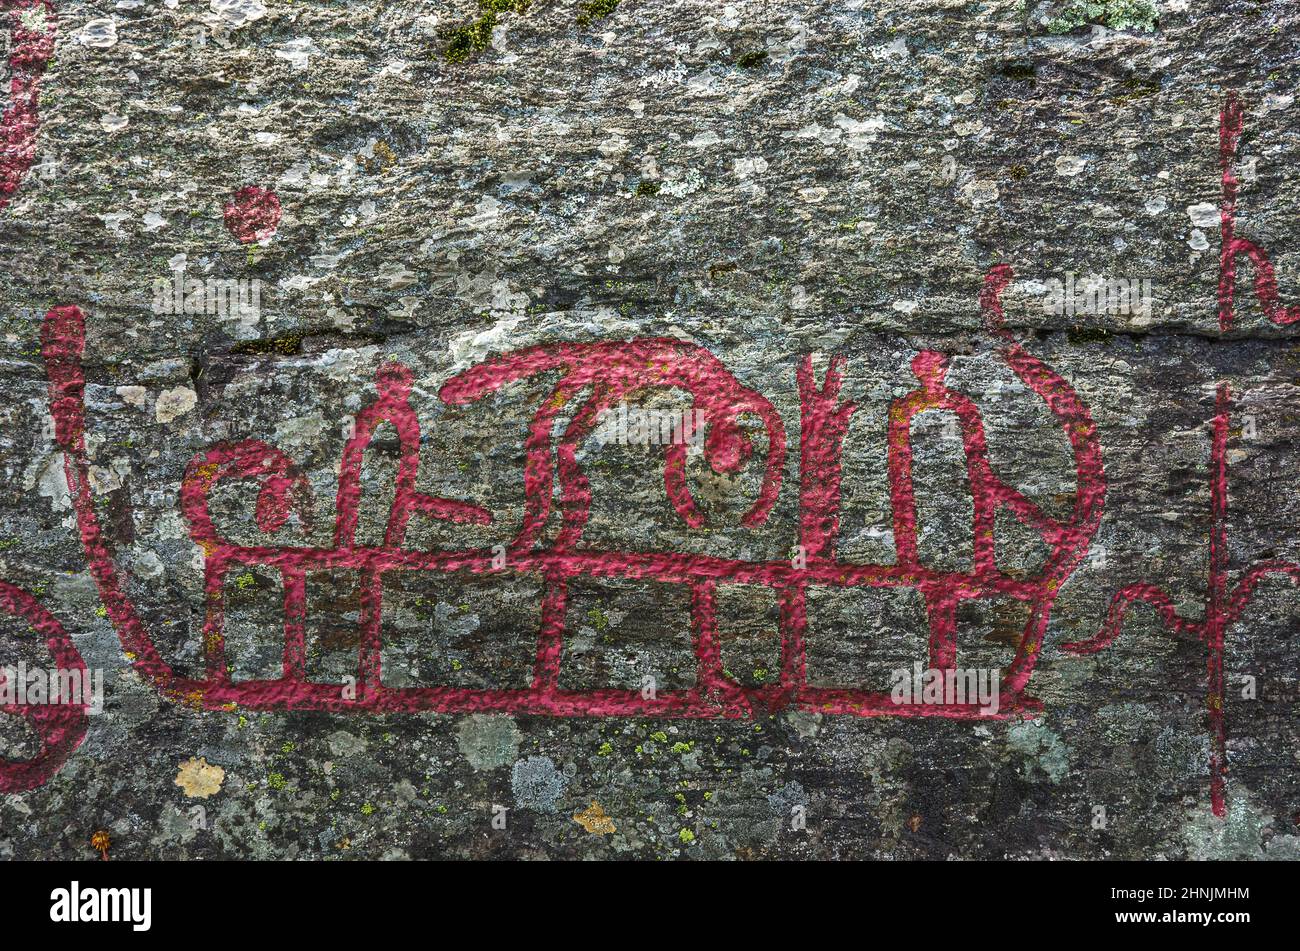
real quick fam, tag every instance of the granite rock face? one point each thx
(260, 207)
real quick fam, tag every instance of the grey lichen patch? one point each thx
(1041, 749)
(1236, 836)
(488, 741)
(1283, 848)
(537, 784)
(805, 724)
(1126, 723)
(784, 801)
(885, 763)
(343, 743)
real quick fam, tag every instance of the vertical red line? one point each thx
(1229, 130)
(550, 638)
(941, 607)
(294, 581)
(902, 500)
(704, 619)
(214, 642)
(368, 660)
(1214, 608)
(794, 625)
(983, 490)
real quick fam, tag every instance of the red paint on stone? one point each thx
(253, 214)
(30, 50)
(613, 371)
(1221, 610)
(60, 726)
(600, 376)
(1231, 125)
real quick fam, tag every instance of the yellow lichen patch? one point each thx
(100, 842)
(198, 779)
(594, 820)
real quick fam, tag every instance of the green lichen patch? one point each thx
(466, 41)
(594, 10)
(1137, 15)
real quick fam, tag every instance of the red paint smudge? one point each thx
(253, 214)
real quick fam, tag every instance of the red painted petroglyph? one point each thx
(608, 373)
(60, 726)
(595, 377)
(29, 51)
(1221, 609)
(1231, 123)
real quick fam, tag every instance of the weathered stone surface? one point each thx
(762, 180)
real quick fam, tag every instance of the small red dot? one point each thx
(253, 215)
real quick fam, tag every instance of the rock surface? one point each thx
(762, 180)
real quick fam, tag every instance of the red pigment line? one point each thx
(824, 421)
(1067, 541)
(1212, 629)
(550, 640)
(63, 337)
(30, 51)
(214, 643)
(1143, 593)
(793, 625)
(294, 582)
(704, 624)
(668, 568)
(614, 371)
(369, 656)
(1216, 587)
(393, 383)
(1245, 589)
(1231, 125)
(61, 727)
